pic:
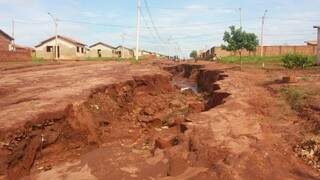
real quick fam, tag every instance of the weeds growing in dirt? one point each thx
(295, 97)
(37, 60)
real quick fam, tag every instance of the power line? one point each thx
(152, 21)
(154, 25)
(292, 19)
(97, 24)
(192, 8)
(176, 26)
(149, 29)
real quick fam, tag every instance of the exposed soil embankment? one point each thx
(139, 105)
(204, 80)
(148, 111)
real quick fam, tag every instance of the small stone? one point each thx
(47, 168)
(166, 142)
(130, 170)
(145, 119)
(196, 107)
(149, 111)
(175, 104)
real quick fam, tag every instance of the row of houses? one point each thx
(67, 48)
(310, 49)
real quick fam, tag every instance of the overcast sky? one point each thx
(188, 24)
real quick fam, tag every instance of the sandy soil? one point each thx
(236, 128)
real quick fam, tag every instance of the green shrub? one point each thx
(292, 61)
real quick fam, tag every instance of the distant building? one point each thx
(312, 43)
(102, 50)
(158, 55)
(5, 41)
(124, 52)
(67, 48)
(146, 53)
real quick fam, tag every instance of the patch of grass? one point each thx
(294, 96)
(305, 78)
(103, 59)
(130, 60)
(134, 61)
(37, 60)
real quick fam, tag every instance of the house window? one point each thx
(78, 49)
(49, 48)
(82, 50)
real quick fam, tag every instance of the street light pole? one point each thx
(262, 31)
(240, 11)
(122, 41)
(138, 28)
(55, 21)
(13, 34)
(318, 44)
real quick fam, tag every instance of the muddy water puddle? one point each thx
(184, 84)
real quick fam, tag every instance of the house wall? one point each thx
(4, 43)
(67, 50)
(125, 53)
(105, 51)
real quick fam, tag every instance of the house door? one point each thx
(58, 51)
(99, 53)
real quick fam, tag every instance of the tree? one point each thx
(237, 40)
(194, 54)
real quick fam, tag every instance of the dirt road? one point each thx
(122, 121)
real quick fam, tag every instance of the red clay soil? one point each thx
(122, 121)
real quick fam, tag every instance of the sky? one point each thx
(171, 27)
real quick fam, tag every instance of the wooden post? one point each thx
(318, 45)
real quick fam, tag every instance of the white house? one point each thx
(102, 50)
(67, 48)
(124, 52)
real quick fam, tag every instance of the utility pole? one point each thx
(138, 28)
(13, 43)
(122, 42)
(55, 21)
(262, 30)
(240, 11)
(318, 45)
(123, 37)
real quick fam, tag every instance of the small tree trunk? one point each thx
(240, 53)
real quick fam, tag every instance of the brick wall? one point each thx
(4, 43)
(272, 51)
(23, 55)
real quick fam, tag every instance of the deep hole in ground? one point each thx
(199, 80)
(148, 113)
